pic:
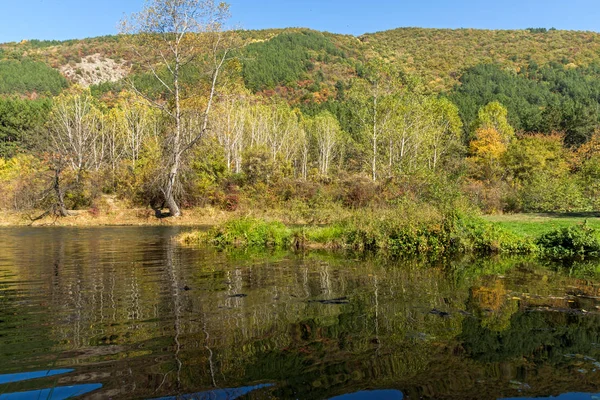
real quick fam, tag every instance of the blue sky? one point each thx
(66, 19)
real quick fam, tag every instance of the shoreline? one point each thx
(117, 218)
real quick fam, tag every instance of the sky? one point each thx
(75, 19)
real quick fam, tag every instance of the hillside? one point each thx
(437, 56)
(441, 55)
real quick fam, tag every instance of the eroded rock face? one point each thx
(94, 69)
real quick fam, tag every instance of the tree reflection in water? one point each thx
(131, 310)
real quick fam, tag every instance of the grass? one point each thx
(410, 230)
(402, 231)
(535, 225)
(116, 217)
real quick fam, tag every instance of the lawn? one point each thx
(533, 225)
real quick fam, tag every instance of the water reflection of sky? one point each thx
(372, 394)
(55, 393)
(24, 376)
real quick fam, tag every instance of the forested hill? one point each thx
(300, 57)
(441, 55)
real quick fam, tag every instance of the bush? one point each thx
(22, 182)
(580, 240)
(474, 234)
(250, 232)
(409, 229)
(359, 192)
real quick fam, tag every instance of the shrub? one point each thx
(580, 240)
(250, 232)
(411, 229)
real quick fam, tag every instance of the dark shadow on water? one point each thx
(566, 396)
(217, 394)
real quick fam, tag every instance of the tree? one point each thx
(487, 150)
(373, 102)
(494, 116)
(327, 132)
(168, 36)
(444, 133)
(74, 130)
(20, 122)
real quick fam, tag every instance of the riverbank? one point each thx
(121, 217)
(532, 225)
(117, 214)
(405, 232)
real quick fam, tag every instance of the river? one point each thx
(127, 313)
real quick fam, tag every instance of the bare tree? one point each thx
(73, 140)
(327, 132)
(168, 35)
(74, 129)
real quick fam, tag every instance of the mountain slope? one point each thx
(313, 62)
(441, 55)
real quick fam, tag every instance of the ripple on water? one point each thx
(131, 311)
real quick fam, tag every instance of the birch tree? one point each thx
(138, 123)
(74, 129)
(169, 35)
(373, 101)
(327, 132)
(444, 129)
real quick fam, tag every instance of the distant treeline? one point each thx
(551, 98)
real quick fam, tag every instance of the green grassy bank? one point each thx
(417, 230)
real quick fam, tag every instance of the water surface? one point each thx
(125, 313)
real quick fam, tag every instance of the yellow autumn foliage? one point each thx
(488, 144)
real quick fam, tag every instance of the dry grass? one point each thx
(122, 217)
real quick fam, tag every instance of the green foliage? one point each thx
(554, 98)
(589, 180)
(546, 192)
(104, 88)
(474, 234)
(191, 78)
(441, 55)
(369, 154)
(20, 121)
(21, 182)
(537, 30)
(580, 240)
(494, 116)
(29, 76)
(328, 236)
(538, 169)
(284, 59)
(250, 232)
(258, 166)
(393, 233)
(536, 154)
